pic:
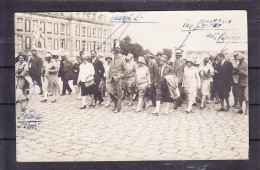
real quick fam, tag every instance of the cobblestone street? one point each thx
(67, 133)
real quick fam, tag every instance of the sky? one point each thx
(164, 29)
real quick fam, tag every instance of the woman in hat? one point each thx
(206, 72)
(23, 80)
(107, 64)
(130, 77)
(50, 77)
(76, 75)
(143, 81)
(191, 82)
(86, 80)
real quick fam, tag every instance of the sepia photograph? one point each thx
(131, 86)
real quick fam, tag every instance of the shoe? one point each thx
(44, 100)
(217, 102)
(175, 107)
(17, 101)
(62, 94)
(227, 109)
(202, 107)
(194, 104)
(236, 107)
(221, 110)
(41, 93)
(130, 104)
(83, 107)
(53, 101)
(70, 92)
(189, 111)
(92, 104)
(240, 111)
(108, 104)
(116, 111)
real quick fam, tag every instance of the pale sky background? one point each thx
(167, 33)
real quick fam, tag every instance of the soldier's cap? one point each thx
(33, 49)
(159, 53)
(211, 57)
(141, 60)
(164, 58)
(241, 56)
(178, 52)
(117, 50)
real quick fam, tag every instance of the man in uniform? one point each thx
(116, 73)
(153, 68)
(35, 69)
(178, 69)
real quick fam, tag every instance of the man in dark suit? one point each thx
(66, 74)
(178, 69)
(35, 69)
(99, 74)
(153, 68)
(117, 71)
(225, 80)
(162, 91)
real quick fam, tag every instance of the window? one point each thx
(42, 26)
(19, 24)
(68, 29)
(62, 44)
(55, 44)
(20, 42)
(27, 25)
(49, 28)
(68, 44)
(62, 29)
(35, 24)
(94, 32)
(88, 45)
(56, 28)
(27, 42)
(94, 45)
(99, 33)
(104, 47)
(83, 31)
(77, 30)
(77, 45)
(89, 32)
(49, 44)
(83, 45)
(104, 33)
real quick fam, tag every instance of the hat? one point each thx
(198, 61)
(151, 56)
(117, 50)
(171, 59)
(206, 59)
(48, 55)
(109, 56)
(129, 56)
(190, 59)
(211, 57)
(164, 58)
(178, 52)
(240, 56)
(141, 60)
(159, 53)
(33, 49)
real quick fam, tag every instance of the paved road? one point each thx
(67, 133)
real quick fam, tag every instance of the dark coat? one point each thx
(153, 68)
(66, 70)
(178, 69)
(167, 70)
(225, 74)
(99, 70)
(35, 66)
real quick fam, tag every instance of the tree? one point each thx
(167, 52)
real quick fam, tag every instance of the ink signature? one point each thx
(28, 119)
(204, 24)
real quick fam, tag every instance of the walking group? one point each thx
(156, 78)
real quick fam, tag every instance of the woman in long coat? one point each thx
(191, 82)
(50, 77)
(23, 80)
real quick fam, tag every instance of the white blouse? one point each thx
(86, 72)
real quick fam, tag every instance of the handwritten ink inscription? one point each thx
(204, 24)
(29, 119)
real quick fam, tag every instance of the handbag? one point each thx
(89, 83)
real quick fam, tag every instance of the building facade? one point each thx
(63, 33)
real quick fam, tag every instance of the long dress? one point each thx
(51, 77)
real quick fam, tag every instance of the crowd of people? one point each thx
(154, 78)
